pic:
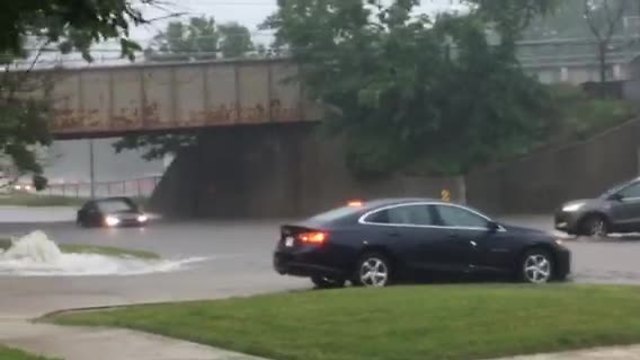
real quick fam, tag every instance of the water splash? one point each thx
(36, 255)
(35, 247)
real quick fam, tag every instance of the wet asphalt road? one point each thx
(238, 264)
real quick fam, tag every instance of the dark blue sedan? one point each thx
(379, 242)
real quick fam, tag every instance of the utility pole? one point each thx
(92, 170)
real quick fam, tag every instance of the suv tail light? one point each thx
(313, 237)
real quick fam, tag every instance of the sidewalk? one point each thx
(81, 343)
(608, 353)
(77, 343)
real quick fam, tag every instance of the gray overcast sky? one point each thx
(247, 12)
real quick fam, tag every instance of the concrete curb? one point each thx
(604, 353)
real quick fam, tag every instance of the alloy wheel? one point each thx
(374, 272)
(598, 228)
(537, 268)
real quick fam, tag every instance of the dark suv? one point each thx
(615, 211)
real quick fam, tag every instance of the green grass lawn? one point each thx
(108, 251)
(11, 354)
(93, 249)
(403, 323)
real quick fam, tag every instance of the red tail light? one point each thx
(313, 237)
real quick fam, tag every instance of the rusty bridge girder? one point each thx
(111, 101)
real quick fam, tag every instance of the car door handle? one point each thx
(394, 234)
(460, 238)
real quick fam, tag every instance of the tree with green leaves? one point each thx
(236, 40)
(71, 25)
(23, 119)
(417, 93)
(62, 24)
(200, 39)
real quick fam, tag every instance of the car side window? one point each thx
(419, 215)
(459, 217)
(631, 191)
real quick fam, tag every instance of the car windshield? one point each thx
(336, 214)
(115, 205)
(616, 189)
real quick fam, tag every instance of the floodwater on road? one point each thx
(238, 263)
(49, 214)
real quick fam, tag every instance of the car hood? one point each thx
(587, 203)
(125, 214)
(578, 201)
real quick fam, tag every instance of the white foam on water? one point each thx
(36, 247)
(36, 255)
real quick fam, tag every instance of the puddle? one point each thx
(36, 255)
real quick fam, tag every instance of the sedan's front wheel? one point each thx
(536, 267)
(595, 226)
(374, 270)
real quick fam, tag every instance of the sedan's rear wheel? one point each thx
(536, 267)
(374, 270)
(324, 282)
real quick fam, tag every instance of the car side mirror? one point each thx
(616, 197)
(493, 226)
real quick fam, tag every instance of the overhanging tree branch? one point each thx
(591, 21)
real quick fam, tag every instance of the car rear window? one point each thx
(336, 214)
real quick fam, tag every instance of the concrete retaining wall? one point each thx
(292, 170)
(274, 171)
(542, 181)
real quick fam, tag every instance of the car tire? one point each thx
(373, 270)
(595, 226)
(536, 267)
(323, 282)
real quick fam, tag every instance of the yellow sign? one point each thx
(446, 195)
